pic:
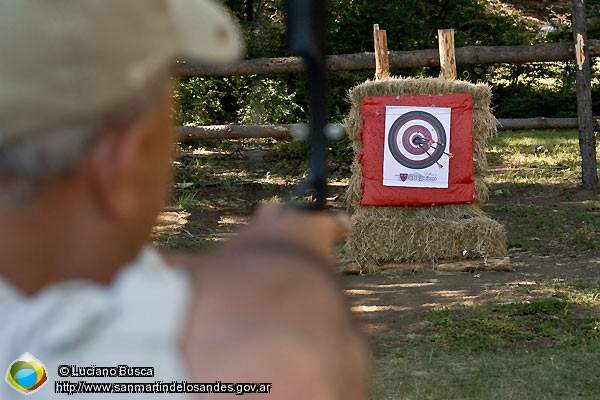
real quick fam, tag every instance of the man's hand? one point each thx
(267, 309)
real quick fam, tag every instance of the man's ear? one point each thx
(110, 167)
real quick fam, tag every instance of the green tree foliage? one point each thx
(413, 24)
(519, 91)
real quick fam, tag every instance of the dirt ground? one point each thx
(395, 302)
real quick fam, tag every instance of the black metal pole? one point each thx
(306, 23)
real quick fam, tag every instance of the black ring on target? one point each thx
(420, 140)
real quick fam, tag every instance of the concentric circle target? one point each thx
(417, 139)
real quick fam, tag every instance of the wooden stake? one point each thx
(585, 121)
(382, 61)
(447, 57)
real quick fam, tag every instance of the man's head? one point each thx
(65, 61)
(70, 67)
(85, 112)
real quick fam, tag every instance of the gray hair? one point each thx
(26, 165)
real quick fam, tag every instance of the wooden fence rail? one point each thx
(469, 55)
(284, 131)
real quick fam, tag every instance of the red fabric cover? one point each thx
(461, 185)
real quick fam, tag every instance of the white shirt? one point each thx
(135, 321)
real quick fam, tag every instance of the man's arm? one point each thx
(268, 309)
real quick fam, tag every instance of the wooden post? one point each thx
(382, 61)
(447, 57)
(585, 121)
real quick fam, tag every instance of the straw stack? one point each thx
(397, 234)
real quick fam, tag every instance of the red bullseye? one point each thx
(410, 139)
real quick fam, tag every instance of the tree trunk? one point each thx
(587, 140)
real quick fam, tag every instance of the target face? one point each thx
(416, 146)
(417, 140)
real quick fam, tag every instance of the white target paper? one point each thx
(416, 147)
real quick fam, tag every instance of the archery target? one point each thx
(416, 146)
(386, 180)
(417, 140)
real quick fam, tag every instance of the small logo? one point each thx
(26, 374)
(403, 177)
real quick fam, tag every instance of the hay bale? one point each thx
(396, 234)
(392, 234)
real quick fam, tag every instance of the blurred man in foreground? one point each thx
(85, 165)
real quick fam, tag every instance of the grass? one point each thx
(534, 185)
(544, 348)
(419, 371)
(535, 157)
(490, 327)
(186, 200)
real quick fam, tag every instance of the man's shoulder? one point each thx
(140, 315)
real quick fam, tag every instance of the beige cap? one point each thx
(64, 61)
